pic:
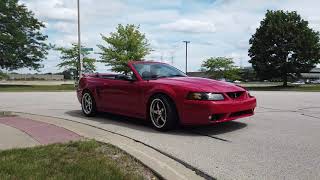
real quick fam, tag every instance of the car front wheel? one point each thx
(88, 104)
(162, 113)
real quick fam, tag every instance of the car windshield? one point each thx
(157, 70)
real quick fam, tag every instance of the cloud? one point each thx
(66, 40)
(52, 10)
(214, 27)
(189, 26)
(239, 58)
(142, 16)
(64, 27)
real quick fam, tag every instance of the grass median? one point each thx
(36, 88)
(302, 88)
(75, 160)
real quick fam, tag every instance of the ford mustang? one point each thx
(164, 95)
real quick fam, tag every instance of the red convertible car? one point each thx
(164, 95)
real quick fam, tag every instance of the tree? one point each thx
(220, 67)
(3, 75)
(22, 44)
(70, 61)
(126, 44)
(283, 46)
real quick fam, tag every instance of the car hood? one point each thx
(201, 84)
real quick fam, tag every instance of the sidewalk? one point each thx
(50, 130)
(18, 139)
(17, 132)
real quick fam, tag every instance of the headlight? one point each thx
(205, 96)
(249, 94)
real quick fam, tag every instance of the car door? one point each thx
(123, 97)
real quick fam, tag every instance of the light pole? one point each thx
(79, 42)
(187, 42)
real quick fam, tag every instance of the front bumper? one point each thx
(79, 95)
(210, 112)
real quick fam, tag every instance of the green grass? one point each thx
(76, 160)
(36, 88)
(303, 88)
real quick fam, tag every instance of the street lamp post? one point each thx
(187, 42)
(79, 42)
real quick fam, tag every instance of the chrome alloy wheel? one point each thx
(87, 103)
(158, 113)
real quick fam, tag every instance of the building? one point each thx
(46, 77)
(198, 74)
(313, 74)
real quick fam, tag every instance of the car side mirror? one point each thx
(126, 78)
(129, 78)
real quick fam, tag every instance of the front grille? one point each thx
(217, 117)
(235, 95)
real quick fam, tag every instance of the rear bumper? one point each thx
(212, 112)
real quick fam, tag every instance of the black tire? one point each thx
(89, 112)
(170, 113)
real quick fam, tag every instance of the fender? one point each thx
(167, 90)
(164, 89)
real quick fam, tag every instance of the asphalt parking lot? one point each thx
(280, 142)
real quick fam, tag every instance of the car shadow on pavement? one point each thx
(115, 119)
(146, 126)
(216, 129)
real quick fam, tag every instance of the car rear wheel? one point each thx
(88, 104)
(162, 113)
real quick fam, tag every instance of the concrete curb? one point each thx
(164, 166)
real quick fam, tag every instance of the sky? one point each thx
(214, 27)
